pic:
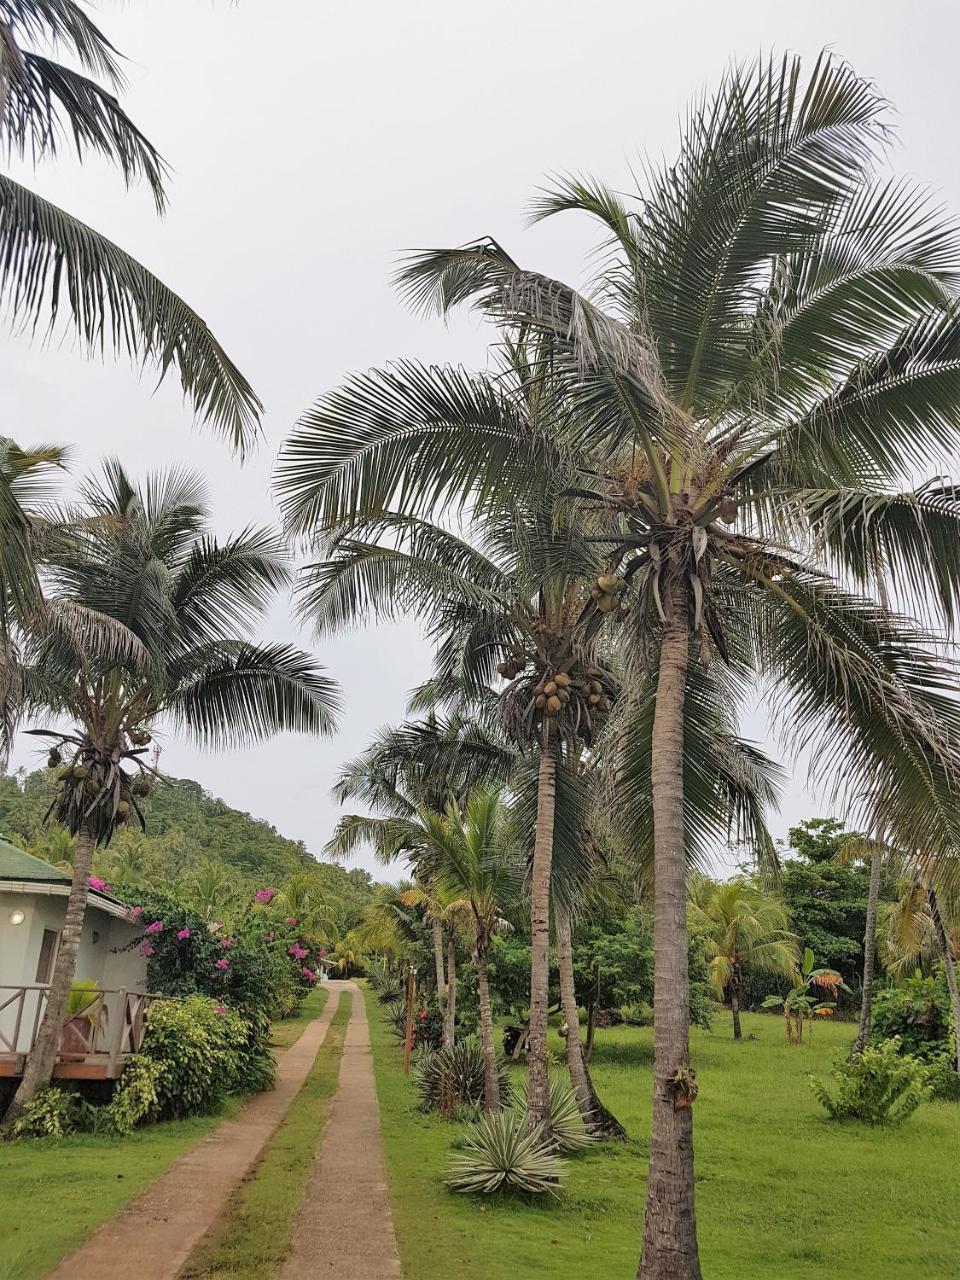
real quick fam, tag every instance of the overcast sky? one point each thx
(314, 140)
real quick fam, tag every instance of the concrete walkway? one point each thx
(345, 1226)
(152, 1237)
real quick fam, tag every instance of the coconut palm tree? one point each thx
(52, 264)
(176, 608)
(746, 932)
(471, 858)
(771, 355)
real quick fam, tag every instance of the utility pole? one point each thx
(408, 1039)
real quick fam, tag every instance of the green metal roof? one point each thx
(17, 865)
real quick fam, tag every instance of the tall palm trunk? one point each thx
(594, 1113)
(869, 957)
(450, 1011)
(949, 967)
(491, 1081)
(735, 1010)
(538, 1087)
(669, 1228)
(39, 1068)
(437, 930)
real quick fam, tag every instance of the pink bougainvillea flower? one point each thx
(136, 912)
(309, 974)
(145, 948)
(321, 951)
(183, 935)
(155, 927)
(227, 942)
(423, 1015)
(291, 921)
(97, 884)
(223, 963)
(270, 936)
(297, 951)
(221, 1009)
(264, 895)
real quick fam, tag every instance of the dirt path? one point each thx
(345, 1227)
(153, 1236)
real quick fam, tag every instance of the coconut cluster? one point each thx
(556, 689)
(607, 590)
(93, 789)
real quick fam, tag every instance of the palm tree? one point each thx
(51, 262)
(472, 860)
(769, 358)
(746, 932)
(303, 897)
(174, 608)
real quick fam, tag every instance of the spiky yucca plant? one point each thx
(501, 1153)
(451, 1078)
(568, 1132)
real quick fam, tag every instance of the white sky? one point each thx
(314, 140)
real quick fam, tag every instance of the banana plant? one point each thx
(802, 1003)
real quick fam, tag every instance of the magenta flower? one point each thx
(264, 895)
(156, 927)
(221, 1009)
(291, 921)
(145, 948)
(97, 884)
(136, 912)
(309, 974)
(297, 951)
(227, 942)
(223, 963)
(321, 951)
(183, 935)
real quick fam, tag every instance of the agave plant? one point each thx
(502, 1153)
(452, 1078)
(568, 1132)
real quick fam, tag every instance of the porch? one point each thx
(94, 1044)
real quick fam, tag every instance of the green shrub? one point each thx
(449, 1080)
(566, 1121)
(918, 1012)
(882, 1086)
(943, 1079)
(200, 1047)
(498, 1154)
(136, 1097)
(51, 1113)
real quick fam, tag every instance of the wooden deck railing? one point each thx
(105, 1032)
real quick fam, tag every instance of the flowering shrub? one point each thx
(264, 895)
(199, 1054)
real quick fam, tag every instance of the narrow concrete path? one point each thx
(153, 1235)
(345, 1226)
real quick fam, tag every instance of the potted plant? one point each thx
(86, 1016)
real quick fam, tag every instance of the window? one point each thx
(48, 955)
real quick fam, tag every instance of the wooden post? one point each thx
(116, 1047)
(408, 1039)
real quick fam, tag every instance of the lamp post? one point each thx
(408, 1040)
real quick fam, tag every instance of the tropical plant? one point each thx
(502, 1153)
(568, 1131)
(745, 932)
(768, 359)
(880, 1086)
(54, 264)
(802, 1002)
(451, 1079)
(916, 1013)
(170, 609)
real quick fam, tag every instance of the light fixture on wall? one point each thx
(17, 916)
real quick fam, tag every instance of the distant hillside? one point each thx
(186, 827)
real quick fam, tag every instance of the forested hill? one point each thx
(186, 827)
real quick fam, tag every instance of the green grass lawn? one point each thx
(54, 1194)
(782, 1193)
(251, 1240)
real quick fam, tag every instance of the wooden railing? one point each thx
(110, 1027)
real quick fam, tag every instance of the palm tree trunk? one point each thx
(437, 930)
(949, 968)
(669, 1228)
(450, 1012)
(43, 1056)
(869, 957)
(491, 1081)
(735, 1010)
(538, 1088)
(594, 1113)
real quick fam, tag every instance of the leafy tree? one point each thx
(746, 932)
(172, 609)
(51, 262)
(769, 354)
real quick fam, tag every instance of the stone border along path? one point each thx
(345, 1226)
(152, 1237)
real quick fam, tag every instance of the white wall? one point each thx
(97, 960)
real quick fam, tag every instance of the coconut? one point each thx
(140, 787)
(503, 668)
(80, 771)
(561, 680)
(594, 699)
(64, 772)
(550, 688)
(605, 704)
(595, 686)
(607, 604)
(596, 591)
(541, 701)
(54, 758)
(608, 582)
(123, 808)
(563, 695)
(554, 705)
